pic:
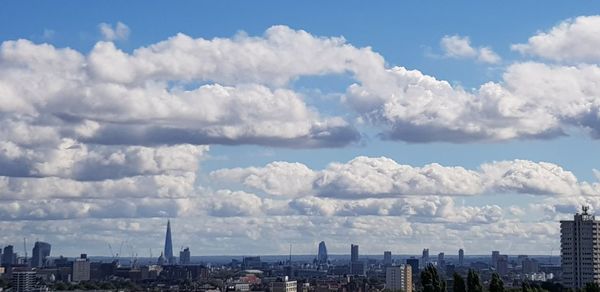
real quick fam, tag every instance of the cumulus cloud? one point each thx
(459, 47)
(119, 32)
(381, 177)
(572, 41)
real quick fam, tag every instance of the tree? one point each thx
(431, 281)
(591, 287)
(496, 284)
(459, 283)
(473, 283)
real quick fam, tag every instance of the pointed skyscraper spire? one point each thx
(169, 245)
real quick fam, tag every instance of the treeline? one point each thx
(431, 281)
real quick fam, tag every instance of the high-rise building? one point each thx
(495, 255)
(530, 266)
(398, 278)
(185, 256)
(24, 281)
(441, 262)
(353, 252)
(252, 263)
(387, 258)
(425, 257)
(81, 269)
(41, 250)
(8, 256)
(461, 257)
(580, 250)
(169, 258)
(322, 257)
(414, 264)
(502, 265)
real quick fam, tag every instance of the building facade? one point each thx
(81, 269)
(461, 257)
(41, 250)
(185, 256)
(399, 278)
(24, 281)
(580, 250)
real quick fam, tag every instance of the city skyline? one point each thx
(253, 126)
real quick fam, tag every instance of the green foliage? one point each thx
(591, 287)
(496, 284)
(473, 282)
(431, 280)
(459, 283)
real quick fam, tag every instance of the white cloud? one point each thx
(572, 41)
(380, 177)
(119, 32)
(456, 46)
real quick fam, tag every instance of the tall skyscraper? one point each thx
(414, 264)
(461, 257)
(185, 256)
(322, 257)
(8, 256)
(495, 256)
(441, 262)
(353, 253)
(356, 267)
(387, 258)
(41, 250)
(81, 269)
(399, 278)
(169, 258)
(425, 257)
(580, 250)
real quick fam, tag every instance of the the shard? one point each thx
(168, 254)
(322, 255)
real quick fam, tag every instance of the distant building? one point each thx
(398, 278)
(414, 264)
(353, 253)
(441, 263)
(425, 257)
(494, 262)
(580, 245)
(24, 281)
(387, 258)
(530, 266)
(168, 253)
(461, 257)
(41, 250)
(502, 265)
(81, 269)
(284, 286)
(322, 257)
(251, 263)
(9, 258)
(185, 256)
(357, 268)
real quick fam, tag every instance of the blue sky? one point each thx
(232, 182)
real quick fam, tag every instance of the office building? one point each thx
(252, 263)
(168, 253)
(425, 257)
(494, 262)
(353, 253)
(284, 285)
(185, 256)
(41, 250)
(322, 257)
(398, 278)
(9, 258)
(387, 258)
(530, 266)
(441, 263)
(580, 250)
(502, 265)
(414, 265)
(81, 269)
(461, 257)
(24, 281)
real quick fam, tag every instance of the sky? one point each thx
(255, 125)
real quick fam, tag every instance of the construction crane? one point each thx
(112, 254)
